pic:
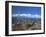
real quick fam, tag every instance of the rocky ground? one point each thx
(28, 25)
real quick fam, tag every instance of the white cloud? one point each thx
(27, 15)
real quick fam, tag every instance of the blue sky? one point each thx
(26, 10)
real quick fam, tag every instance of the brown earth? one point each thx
(19, 26)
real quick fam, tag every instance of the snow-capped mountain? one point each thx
(27, 15)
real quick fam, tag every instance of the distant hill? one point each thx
(23, 18)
